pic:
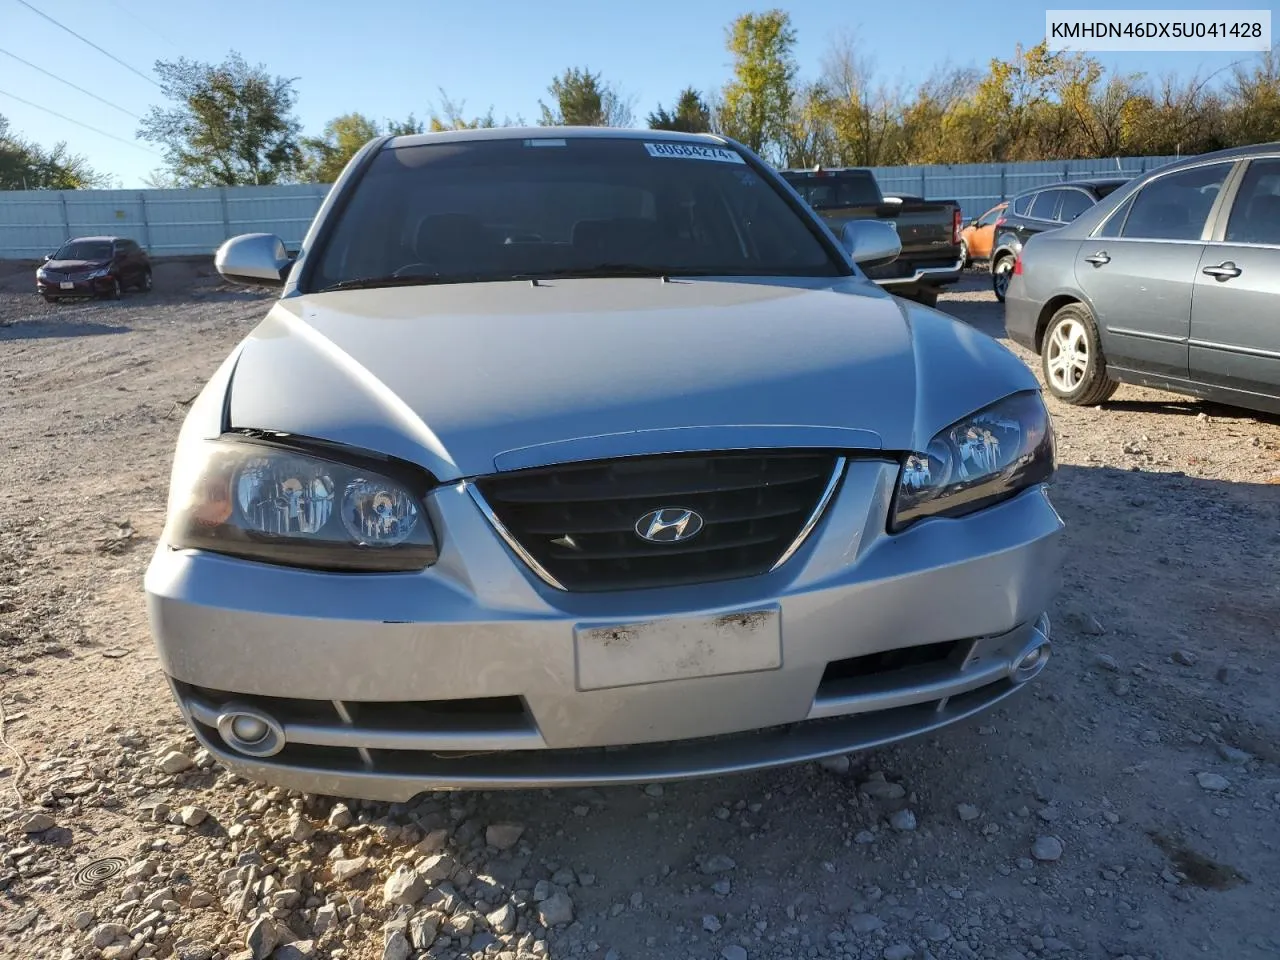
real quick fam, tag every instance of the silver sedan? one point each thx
(586, 457)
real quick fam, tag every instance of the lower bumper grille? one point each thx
(580, 523)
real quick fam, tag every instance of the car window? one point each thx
(832, 191)
(1046, 200)
(1114, 223)
(504, 208)
(1022, 204)
(1255, 215)
(1074, 203)
(1175, 207)
(990, 217)
(84, 250)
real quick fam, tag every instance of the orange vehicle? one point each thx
(978, 235)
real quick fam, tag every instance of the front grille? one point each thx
(578, 521)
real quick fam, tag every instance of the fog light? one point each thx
(250, 731)
(1027, 664)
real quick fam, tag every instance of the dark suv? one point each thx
(1041, 208)
(94, 266)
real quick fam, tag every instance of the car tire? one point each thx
(1071, 360)
(144, 285)
(964, 256)
(1001, 271)
(115, 292)
(927, 297)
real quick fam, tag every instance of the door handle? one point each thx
(1223, 271)
(1099, 258)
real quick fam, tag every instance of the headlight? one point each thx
(99, 273)
(262, 501)
(40, 274)
(980, 460)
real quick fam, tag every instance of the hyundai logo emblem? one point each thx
(669, 525)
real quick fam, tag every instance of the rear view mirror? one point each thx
(253, 258)
(871, 243)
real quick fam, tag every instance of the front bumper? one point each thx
(78, 288)
(475, 674)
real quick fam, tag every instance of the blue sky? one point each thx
(390, 57)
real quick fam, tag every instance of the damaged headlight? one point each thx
(984, 458)
(263, 501)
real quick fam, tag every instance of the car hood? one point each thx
(73, 266)
(466, 379)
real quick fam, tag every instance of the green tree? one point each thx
(28, 166)
(343, 137)
(580, 98)
(452, 116)
(691, 114)
(407, 127)
(757, 100)
(229, 123)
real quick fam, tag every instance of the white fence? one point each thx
(196, 221)
(165, 222)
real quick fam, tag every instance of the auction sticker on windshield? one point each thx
(694, 151)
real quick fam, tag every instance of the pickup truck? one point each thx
(931, 257)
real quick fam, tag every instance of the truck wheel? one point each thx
(1071, 358)
(964, 256)
(1001, 273)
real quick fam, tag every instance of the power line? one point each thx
(87, 93)
(150, 29)
(89, 42)
(44, 109)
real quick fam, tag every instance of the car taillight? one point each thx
(957, 224)
(1017, 265)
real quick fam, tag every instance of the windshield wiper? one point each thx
(604, 270)
(391, 280)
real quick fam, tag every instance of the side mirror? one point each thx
(253, 258)
(871, 243)
(46, 258)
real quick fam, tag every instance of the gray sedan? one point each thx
(1171, 282)
(590, 456)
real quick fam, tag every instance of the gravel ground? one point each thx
(1125, 806)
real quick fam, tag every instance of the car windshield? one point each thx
(575, 206)
(84, 250)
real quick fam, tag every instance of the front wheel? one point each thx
(115, 291)
(1071, 359)
(1001, 273)
(145, 284)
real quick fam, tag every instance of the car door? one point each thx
(984, 233)
(1235, 313)
(121, 263)
(1138, 269)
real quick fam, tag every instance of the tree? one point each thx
(757, 101)
(451, 116)
(229, 124)
(691, 114)
(27, 166)
(343, 137)
(407, 127)
(579, 98)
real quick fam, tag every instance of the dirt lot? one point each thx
(1128, 805)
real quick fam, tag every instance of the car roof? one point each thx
(549, 133)
(102, 239)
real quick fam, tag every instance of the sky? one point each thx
(392, 57)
